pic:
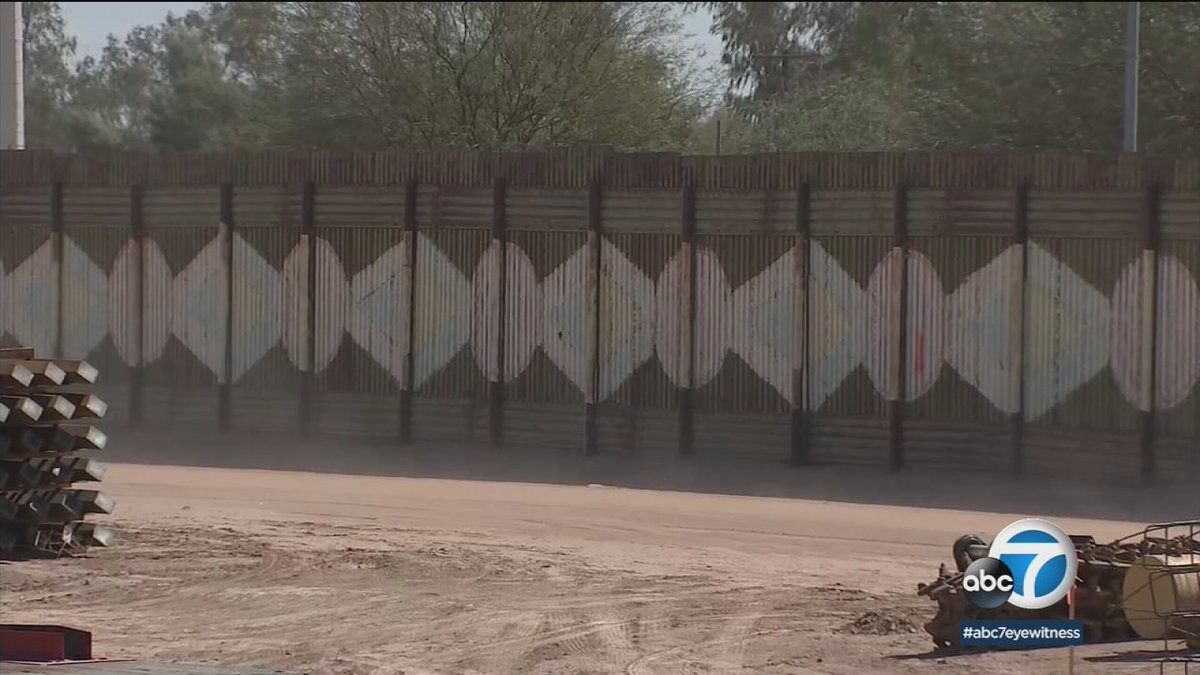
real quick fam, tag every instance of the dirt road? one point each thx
(348, 574)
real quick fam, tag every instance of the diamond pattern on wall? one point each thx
(197, 317)
(85, 315)
(628, 319)
(763, 327)
(1066, 342)
(31, 300)
(379, 299)
(981, 347)
(444, 310)
(565, 336)
(1072, 330)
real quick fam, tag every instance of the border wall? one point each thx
(1006, 313)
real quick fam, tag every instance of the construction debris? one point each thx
(1103, 588)
(43, 428)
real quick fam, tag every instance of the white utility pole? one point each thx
(12, 86)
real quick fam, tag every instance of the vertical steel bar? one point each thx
(1132, 48)
(56, 257)
(308, 231)
(592, 289)
(899, 322)
(224, 392)
(1149, 356)
(137, 374)
(1017, 325)
(801, 437)
(496, 383)
(688, 327)
(409, 317)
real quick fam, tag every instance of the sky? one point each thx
(92, 22)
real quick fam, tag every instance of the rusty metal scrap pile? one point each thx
(1098, 592)
(43, 428)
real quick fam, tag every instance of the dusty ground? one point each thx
(350, 574)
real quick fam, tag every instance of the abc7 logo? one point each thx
(987, 583)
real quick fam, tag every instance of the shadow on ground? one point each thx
(1050, 496)
(1150, 655)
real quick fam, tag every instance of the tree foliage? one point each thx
(475, 74)
(895, 75)
(799, 75)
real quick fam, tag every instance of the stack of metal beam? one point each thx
(43, 429)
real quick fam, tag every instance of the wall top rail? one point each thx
(578, 168)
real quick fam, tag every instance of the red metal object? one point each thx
(31, 642)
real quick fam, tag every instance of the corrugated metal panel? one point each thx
(182, 207)
(25, 207)
(630, 430)
(547, 345)
(1178, 373)
(576, 167)
(449, 419)
(546, 209)
(845, 345)
(90, 304)
(360, 207)
(190, 313)
(750, 436)
(632, 314)
(173, 407)
(849, 440)
(1110, 213)
(260, 308)
(753, 322)
(96, 207)
(545, 424)
(981, 212)
(353, 415)
(28, 291)
(1102, 457)
(925, 325)
(266, 319)
(266, 207)
(447, 313)
(373, 297)
(845, 329)
(1072, 329)
(929, 212)
(332, 289)
(1179, 215)
(258, 411)
(641, 211)
(973, 446)
(1178, 323)
(744, 212)
(1177, 460)
(960, 328)
(461, 207)
(851, 211)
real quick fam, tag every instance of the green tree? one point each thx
(491, 74)
(488, 74)
(960, 75)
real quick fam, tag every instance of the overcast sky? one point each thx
(91, 23)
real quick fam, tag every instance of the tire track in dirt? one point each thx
(583, 637)
(733, 638)
(643, 665)
(619, 638)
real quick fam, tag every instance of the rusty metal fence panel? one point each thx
(1032, 312)
(183, 306)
